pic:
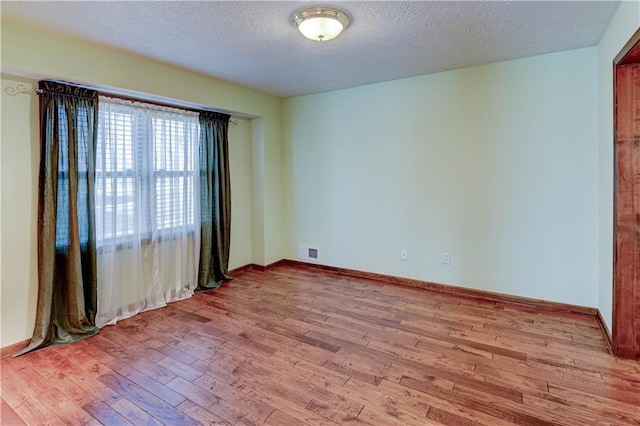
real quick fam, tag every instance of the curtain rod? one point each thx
(22, 89)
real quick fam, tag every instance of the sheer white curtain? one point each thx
(147, 207)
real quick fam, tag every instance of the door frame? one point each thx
(625, 337)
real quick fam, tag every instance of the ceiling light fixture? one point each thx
(321, 23)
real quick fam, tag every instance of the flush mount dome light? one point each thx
(321, 23)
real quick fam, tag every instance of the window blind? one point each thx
(145, 169)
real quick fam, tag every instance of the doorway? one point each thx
(626, 232)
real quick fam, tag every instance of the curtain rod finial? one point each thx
(21, 89)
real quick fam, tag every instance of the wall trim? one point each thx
(256, 267)
(605, 331)
(453, 290)
(11, 350)
(239, 269)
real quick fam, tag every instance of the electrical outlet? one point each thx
(404, 254)
(446, 258)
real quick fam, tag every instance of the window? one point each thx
(146, 170)
(175, 172)
(79, 119)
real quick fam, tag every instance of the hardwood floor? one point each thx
(297, 346)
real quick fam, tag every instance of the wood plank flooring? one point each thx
(298, 346)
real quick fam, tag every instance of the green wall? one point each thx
(496, 165)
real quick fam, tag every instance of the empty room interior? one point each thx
(310, 213)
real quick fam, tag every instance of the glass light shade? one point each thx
(320, 29)
(321, 23)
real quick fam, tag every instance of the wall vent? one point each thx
(313, 253)
(308, 253)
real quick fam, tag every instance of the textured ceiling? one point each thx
(254, 43)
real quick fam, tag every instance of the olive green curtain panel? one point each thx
(215, 200)
(66, 236)
(67, 244)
